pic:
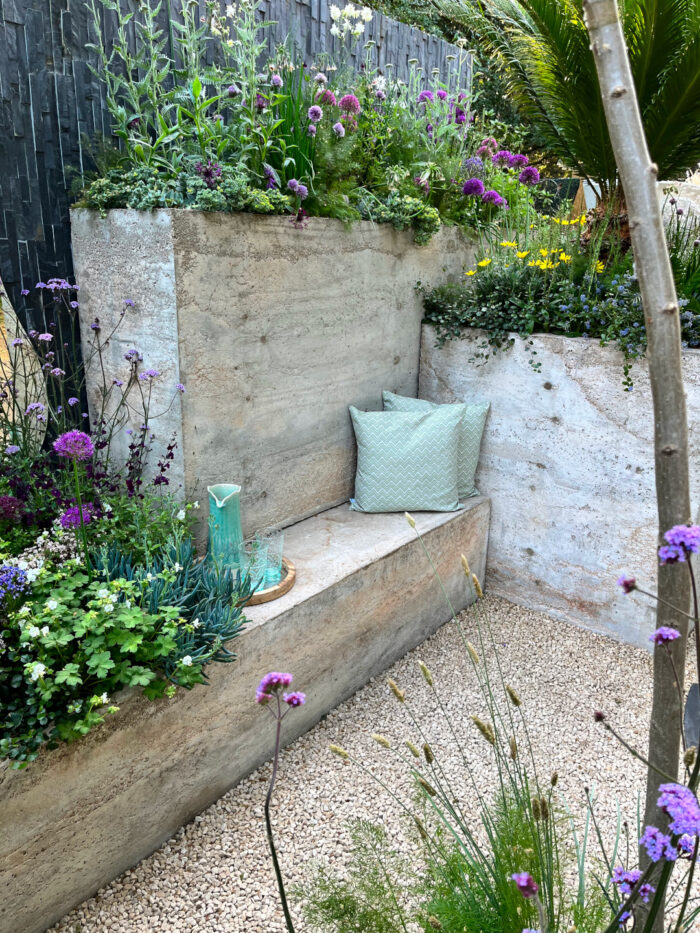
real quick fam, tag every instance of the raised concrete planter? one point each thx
(81, 814)
(274, 331)
(568, 459)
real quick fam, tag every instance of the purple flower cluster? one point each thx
(473, 187)
(682, 540)
(627, 583)
(149, 374)
(426, 97)
(71, 517)
(270, 684)
(76, 445)
(209, 173)
(473, 167)
(296, 187)
(294, 699)
(314, 113)
(487, 148)
(664, 634)
(626, 880)
(527, 885)
(326, 96)
(11, 509)
(658, 845)
(13, 582)
(529, 176)
(349, 104)
(681, 806)
(493, 197)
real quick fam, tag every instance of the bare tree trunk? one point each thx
(638, 176)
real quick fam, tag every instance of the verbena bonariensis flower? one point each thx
(671, 554)
(685, 536)
(76, 445)
(664, 634)
(294, 699)
(529, 176)
(658, 845)
(681, 806)
(473, 187)
(349, 104)
(527, 885)
(314, 113)
(270, 684)
(71, 517)
(627, 583)
(625, 880)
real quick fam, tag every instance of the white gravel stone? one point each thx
(215, 874)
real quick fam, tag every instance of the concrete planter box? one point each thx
(274, 331)
(568, 460)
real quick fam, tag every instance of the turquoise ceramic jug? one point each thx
(225, 532)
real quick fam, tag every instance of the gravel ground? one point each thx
(215, 874)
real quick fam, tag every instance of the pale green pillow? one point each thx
(470, 432)
(406, 461)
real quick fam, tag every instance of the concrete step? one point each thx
(365, 595)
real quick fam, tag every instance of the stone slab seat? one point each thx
(365, 595)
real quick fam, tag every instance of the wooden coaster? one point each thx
(279, 589)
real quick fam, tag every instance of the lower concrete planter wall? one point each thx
(568, 460)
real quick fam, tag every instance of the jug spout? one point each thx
(221, 493)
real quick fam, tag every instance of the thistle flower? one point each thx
(398, 693)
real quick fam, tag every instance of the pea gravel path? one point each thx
(215, 874)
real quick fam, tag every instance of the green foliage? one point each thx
(543, 49)
(404, 212)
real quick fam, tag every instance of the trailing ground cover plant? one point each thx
(100, 588)
(318, 140)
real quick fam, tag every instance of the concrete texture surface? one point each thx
(274, 331)
(81, 814)
(568, 461)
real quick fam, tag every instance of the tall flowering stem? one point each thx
(268, 694)
(76, 445)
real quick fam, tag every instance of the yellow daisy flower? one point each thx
(564, 258)
(533, 263)
(599, 266)
(564, 223)
(521, 254)
(483, 263)
(471, 272)
(556, 220)
(509, 243)
(544, 252)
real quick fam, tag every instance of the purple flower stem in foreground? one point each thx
(83, 533)
(279, 716)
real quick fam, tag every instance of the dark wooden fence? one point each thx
(50, 101)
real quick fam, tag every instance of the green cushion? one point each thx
(406, 461)
(470, 432)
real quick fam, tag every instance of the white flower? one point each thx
(37, 670)
(187, 661)
(334, 30)
(196, 623)
(177, 566)
(149, 577)
(366, 14)
(104, 699)
(358, 29)
(103, 593)
(181, 515)
(22, 564)
(33, 631)
(24, 611)
(114, 598)
(45, 630)
(51, 604)
(32, 574)
(108, 607)
(335, 12)
(107, 507)
(127, 603)
(195, 505)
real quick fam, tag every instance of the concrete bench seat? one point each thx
(365, 595)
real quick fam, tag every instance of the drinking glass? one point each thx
(252, 559)
(273, 539)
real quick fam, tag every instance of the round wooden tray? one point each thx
(279, 589)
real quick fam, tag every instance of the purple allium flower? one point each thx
(326, 96)
(302, 192)
(311, 130)
(129, 302)
(426, 97)
(73, 401)
(527, 885)
(315, 113)
(13, 582)
(270, 684)
(45, 338)
(518, 160)
(320, 78)
(681, 806)
(441, 93)
(294, 699)
(179, 386)
(293, 184)
(502, 158)
(349, 104)
(671, 554)
(12, 449)
(71, 517)
(658, 845)
(276, 81)
(339, 130)
(664, 634)
(685, 536)
(209, 173)
(529, 176)
(233, 90)
(473, 167)
(133, 356)
(76, 445)
(493, 197)
(149, 374)
(627, 583)
(473, 187)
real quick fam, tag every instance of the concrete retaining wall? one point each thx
(568, 460)
(274, 331)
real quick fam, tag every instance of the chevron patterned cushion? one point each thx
(406, 461)
(470, 432)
